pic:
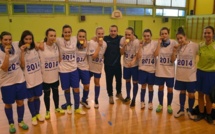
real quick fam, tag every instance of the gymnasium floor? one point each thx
(110, 119)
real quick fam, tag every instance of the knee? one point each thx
(67, 91)
(86, 87)
(31, 99)
(20, 103)
(161, 88)
(8, 105)
(191, 96)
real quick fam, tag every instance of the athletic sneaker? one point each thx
(132, 103)
(23, 125)
(119, 96)
(85, 104)
(169, 109)
(34, 120)
(142, 105)
(69, 109)
(60, 110)
(12, 129)
(96, 104)
(199, 117)
(179, 114)
(39, 117)
(127, 99)
(47, 115)
(111, 101)
(190, 115)
(64, 106)
(159, 108)
(79, 111)
(150, 107)
(209, 119)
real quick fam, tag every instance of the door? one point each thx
(137, 26)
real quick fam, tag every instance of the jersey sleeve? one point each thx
(122, 40)
(91, 49)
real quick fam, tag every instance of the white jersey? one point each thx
(186, 62)
(81, 59)
(95, 65)
(147, 60)
(164, 67)
(32, 70)
(14, 74)
(67, 54)
(49, 63)
(131, 49)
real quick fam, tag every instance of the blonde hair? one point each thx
(98, 28)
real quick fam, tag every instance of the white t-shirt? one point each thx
(164, 67)
(186, 62)
(67, 54)
(131, 49)
(95, 65)
(147, 60)
(81, 59)
(49, 58)
(32, 70)
(14, 74)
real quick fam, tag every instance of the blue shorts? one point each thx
(146, 77)
(205, 81)
(161, 80)
(70, 79)
(84, 76)
(189, 86)
(130, 72)
(35, 91)
(96, 75)
(47, 86)
(14, 92)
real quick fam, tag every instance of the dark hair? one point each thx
(47, 32)
(24, 34)
(210, 27)
(148, 31)
(82, 30)
(131, 29)
(66, 26)
(164, 28)
(181, 31)
(3, 34)
(114, 26)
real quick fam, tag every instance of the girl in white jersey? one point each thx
(12, 81)
(165, 68)
(83, 66)
(49, 57)
(129, 46)
(96, 54)
(146, 75)
(69, 76)
(186, 53)
(30, 63)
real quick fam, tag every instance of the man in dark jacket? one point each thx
(112, 63)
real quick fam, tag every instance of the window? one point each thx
(171, 3)
(145, 2)
(170, 12)
(122, 9)
(59, 9)
(181, 13)
(134, 11)
(163, 3)
(148, 11)
(179, 3)
(3, 8)
(39, 8)
(108, 10)
(74, 9)
(80, 0)
(91, 9)
(159, 12)
(126, 1)
(18, 8)
(102, 1)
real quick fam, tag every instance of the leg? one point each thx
(151, 93)
(47, 99)
(85, 96)
(76, 94)
(128, 89)
(31, 106)
(169, 98)
(182, 98)
(160, 98)
(118, 76)
(97, 91)
(109, 80)
(135, 90)
(201, 107)
(9, 113)
(208, 110)
(142, 94)
(20, 112)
